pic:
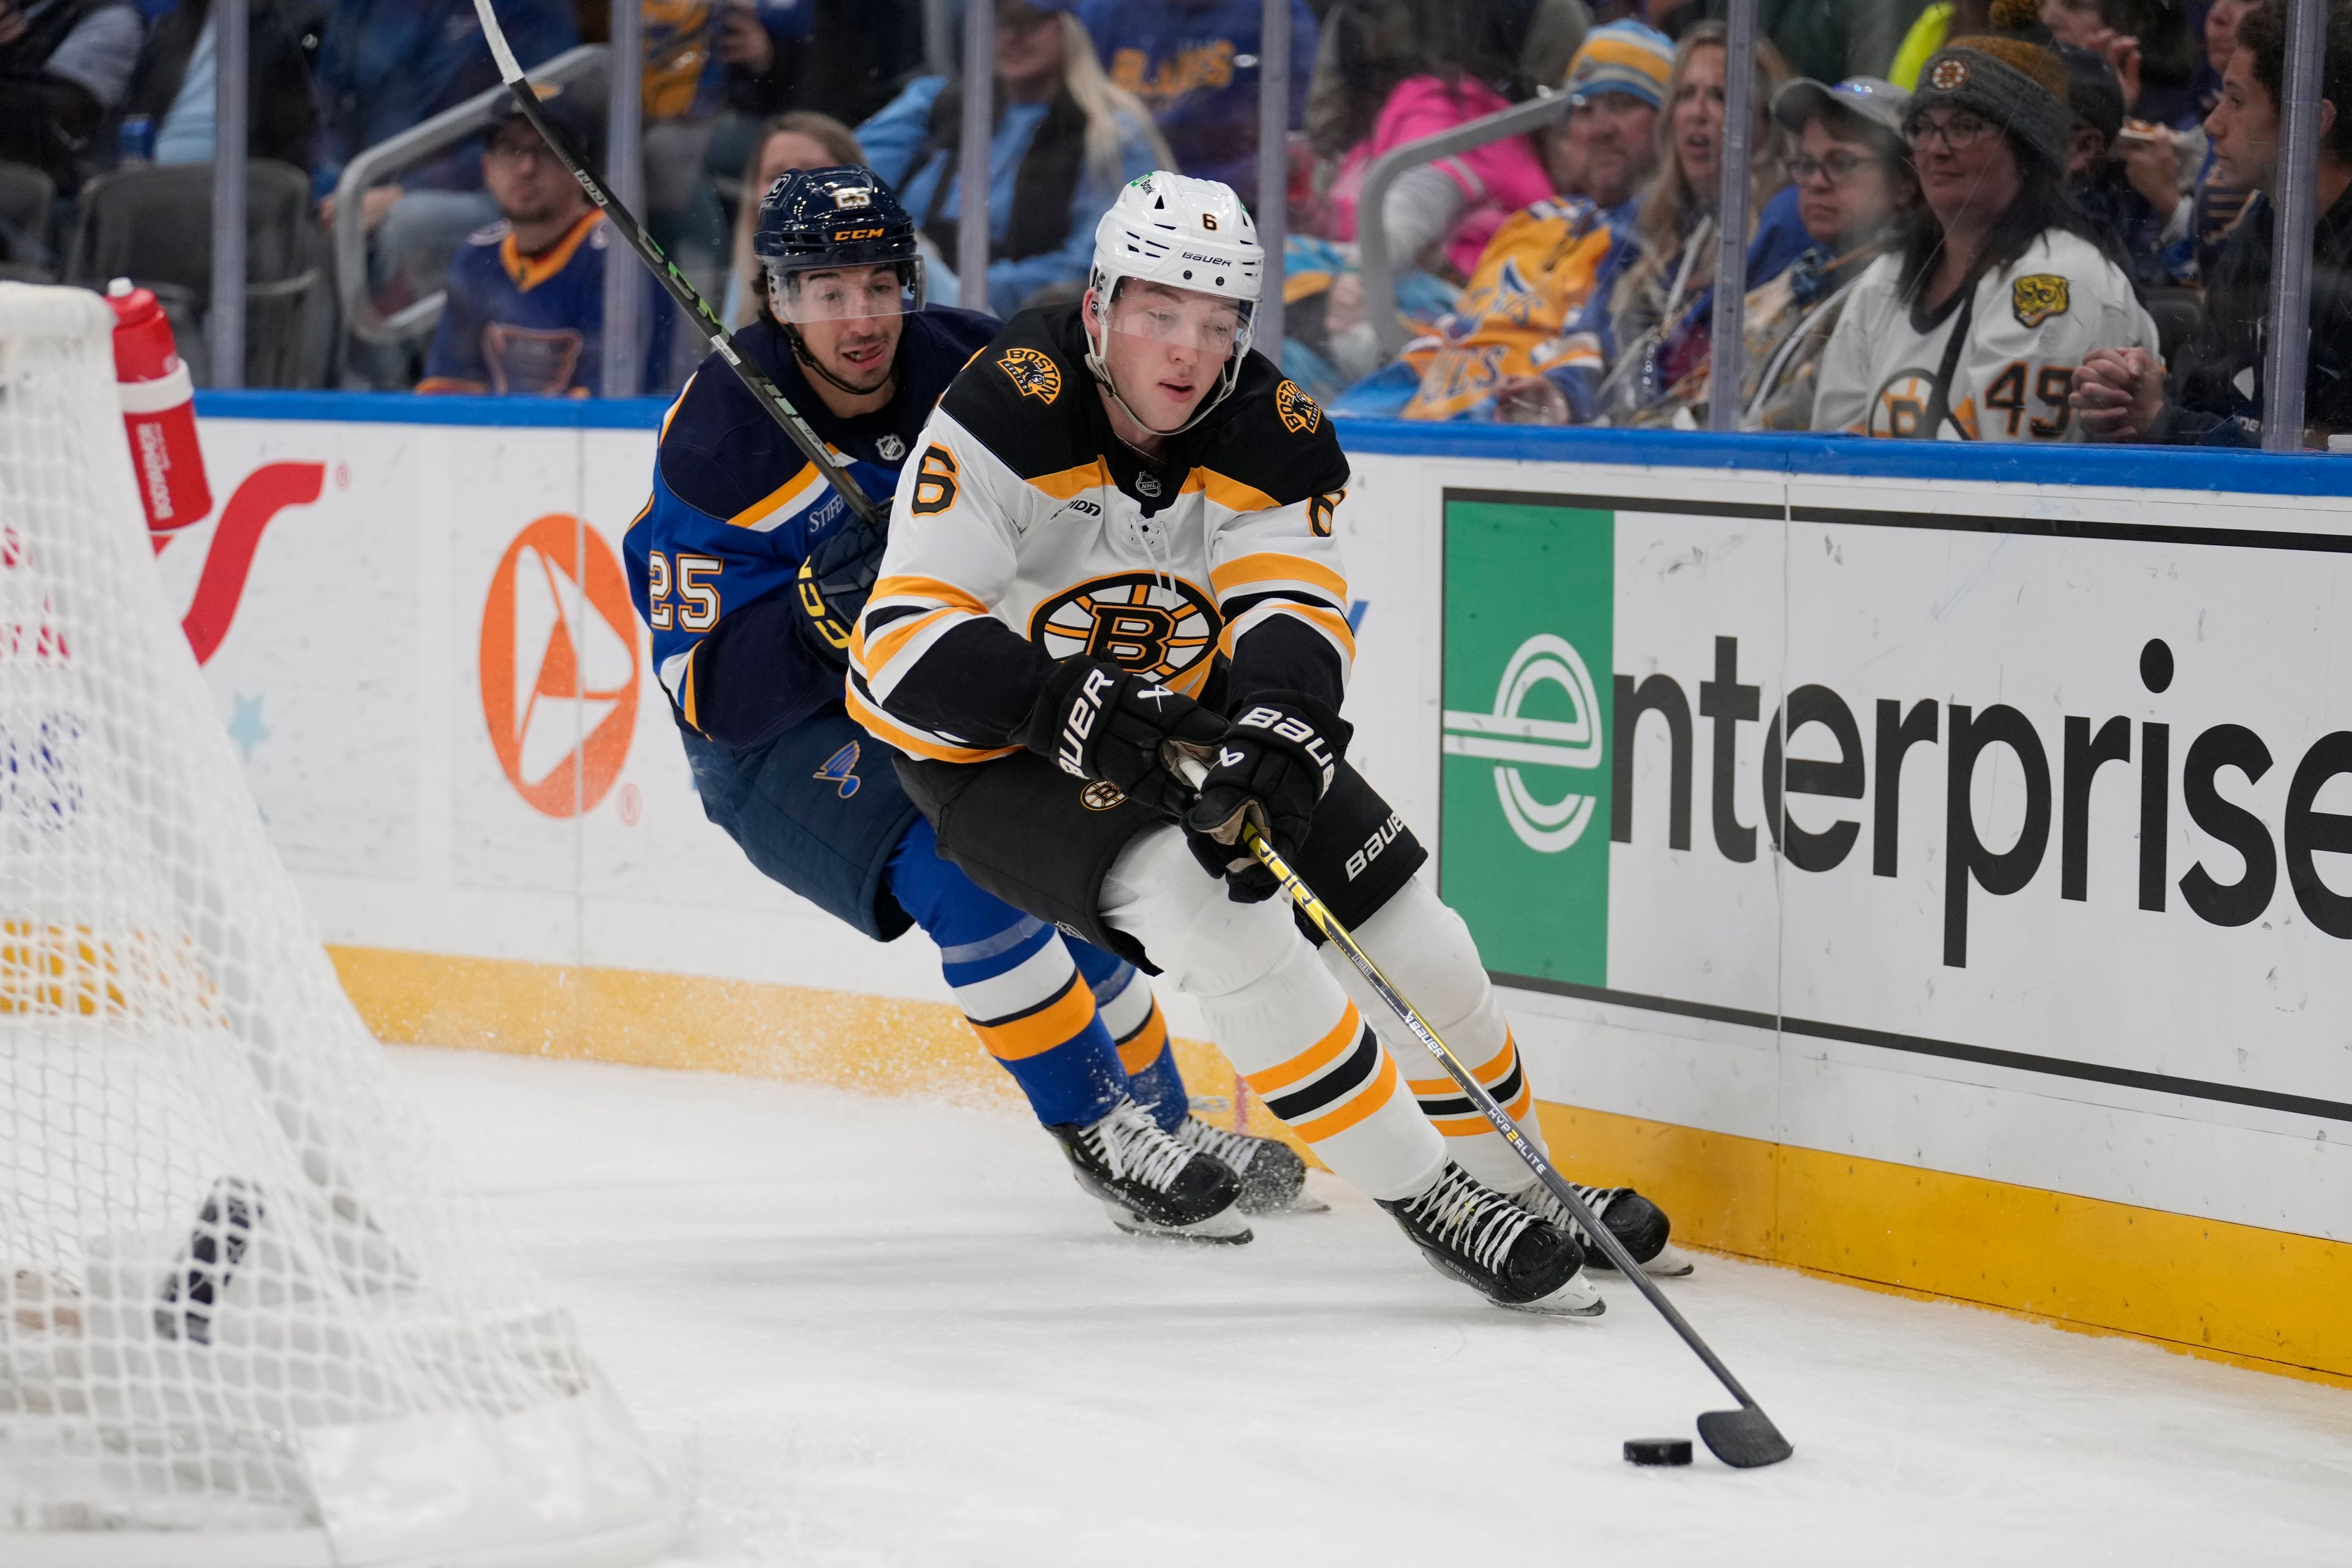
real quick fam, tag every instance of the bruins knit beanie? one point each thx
(2019, 87)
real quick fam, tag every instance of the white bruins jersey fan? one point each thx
(2028, 326)
(1021, 505)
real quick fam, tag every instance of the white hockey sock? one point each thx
(1302, 1046)
(1427, 953)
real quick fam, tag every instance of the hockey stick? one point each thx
(714, 332)
(1744, 1437)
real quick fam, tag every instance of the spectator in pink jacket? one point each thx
(1474, 51)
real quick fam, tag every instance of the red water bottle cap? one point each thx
(143, 347)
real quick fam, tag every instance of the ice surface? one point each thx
(892, 1332)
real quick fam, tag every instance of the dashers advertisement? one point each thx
(2072, 800)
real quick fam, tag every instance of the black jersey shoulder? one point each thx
(722, 452)
(1028, 396)
(1272, 436)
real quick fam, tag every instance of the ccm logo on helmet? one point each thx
(1298, 732)
(842, 236)
(1080, 722)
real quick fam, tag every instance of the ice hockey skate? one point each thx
(1633, 1219)
(1272, 1176)
(1477, 1236)
(1151, 1182)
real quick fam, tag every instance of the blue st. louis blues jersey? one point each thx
(735, 510)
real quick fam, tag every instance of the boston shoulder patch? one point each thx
(1298, 413)
(2038, 297)
(1033, 372)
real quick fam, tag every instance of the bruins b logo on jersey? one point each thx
(1298, 412)
(1899, 408)
(2037, 298)
(1133, 619)
(1033, 372)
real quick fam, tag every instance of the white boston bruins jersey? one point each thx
(2029, 326)
(1019, 511)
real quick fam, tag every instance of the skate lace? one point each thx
(1597, 1199)
(1231, 1148)
(1473, 1220)
(1131, 1144)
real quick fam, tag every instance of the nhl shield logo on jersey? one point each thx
(1156, 625)
(1033, 372)
(1298, 412)
(2037, 298)
(889, 449)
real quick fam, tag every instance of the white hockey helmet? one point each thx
(1186, 234)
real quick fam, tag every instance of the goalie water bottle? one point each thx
(159, 412)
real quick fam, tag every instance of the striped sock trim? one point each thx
(1034, 1031)
(1139, 1050)
(1450, 1111)
(1332, 1085)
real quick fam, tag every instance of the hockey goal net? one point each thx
(246, 1314)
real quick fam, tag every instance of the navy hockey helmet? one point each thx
(817, 220)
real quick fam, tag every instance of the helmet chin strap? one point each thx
(809, 361)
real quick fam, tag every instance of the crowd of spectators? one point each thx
(2028, 220)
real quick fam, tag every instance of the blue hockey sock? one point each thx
(1017, 985)
(1128, 1009)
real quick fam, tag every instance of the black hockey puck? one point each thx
(1658, 1450)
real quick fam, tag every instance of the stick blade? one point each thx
(1744, 1440)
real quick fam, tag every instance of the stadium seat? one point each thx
(153, 223)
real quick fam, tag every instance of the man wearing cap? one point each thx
(1971, 328)
(525, 310)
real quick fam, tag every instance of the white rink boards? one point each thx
(460, 752)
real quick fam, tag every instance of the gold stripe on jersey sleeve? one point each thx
(1331, 622)
(882, 727)
(1071, 483)
(756, 516)
(877, 655)
(1272, 566)
(933, 590)
(675, 406)
(1229, 492)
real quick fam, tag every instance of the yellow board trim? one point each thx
(2267, 1299)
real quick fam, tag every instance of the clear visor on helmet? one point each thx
(1179, 318)
(846, 293)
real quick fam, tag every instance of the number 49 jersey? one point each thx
(2029, 326)
(1025, 531)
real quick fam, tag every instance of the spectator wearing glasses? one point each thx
(1971, 326)
(1854, 186)
(2214, 397)
(1065, 139)
(525, 310)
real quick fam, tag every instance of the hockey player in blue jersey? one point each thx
(740, 524)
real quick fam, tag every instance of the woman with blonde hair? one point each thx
(1660, 309)
(1066, 138)
(800, 140)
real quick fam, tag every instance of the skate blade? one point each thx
(1671, 1263)
(1577, 1299)
(1300, 1202)
(1226, 1228)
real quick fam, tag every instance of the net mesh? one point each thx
(239, 1290)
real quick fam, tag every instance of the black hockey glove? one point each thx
(1099, 721)
(1271, 769)
(835, 581)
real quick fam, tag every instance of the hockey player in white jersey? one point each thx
(1115, 548)
(1973, 327)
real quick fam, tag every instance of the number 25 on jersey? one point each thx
(696, 609)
